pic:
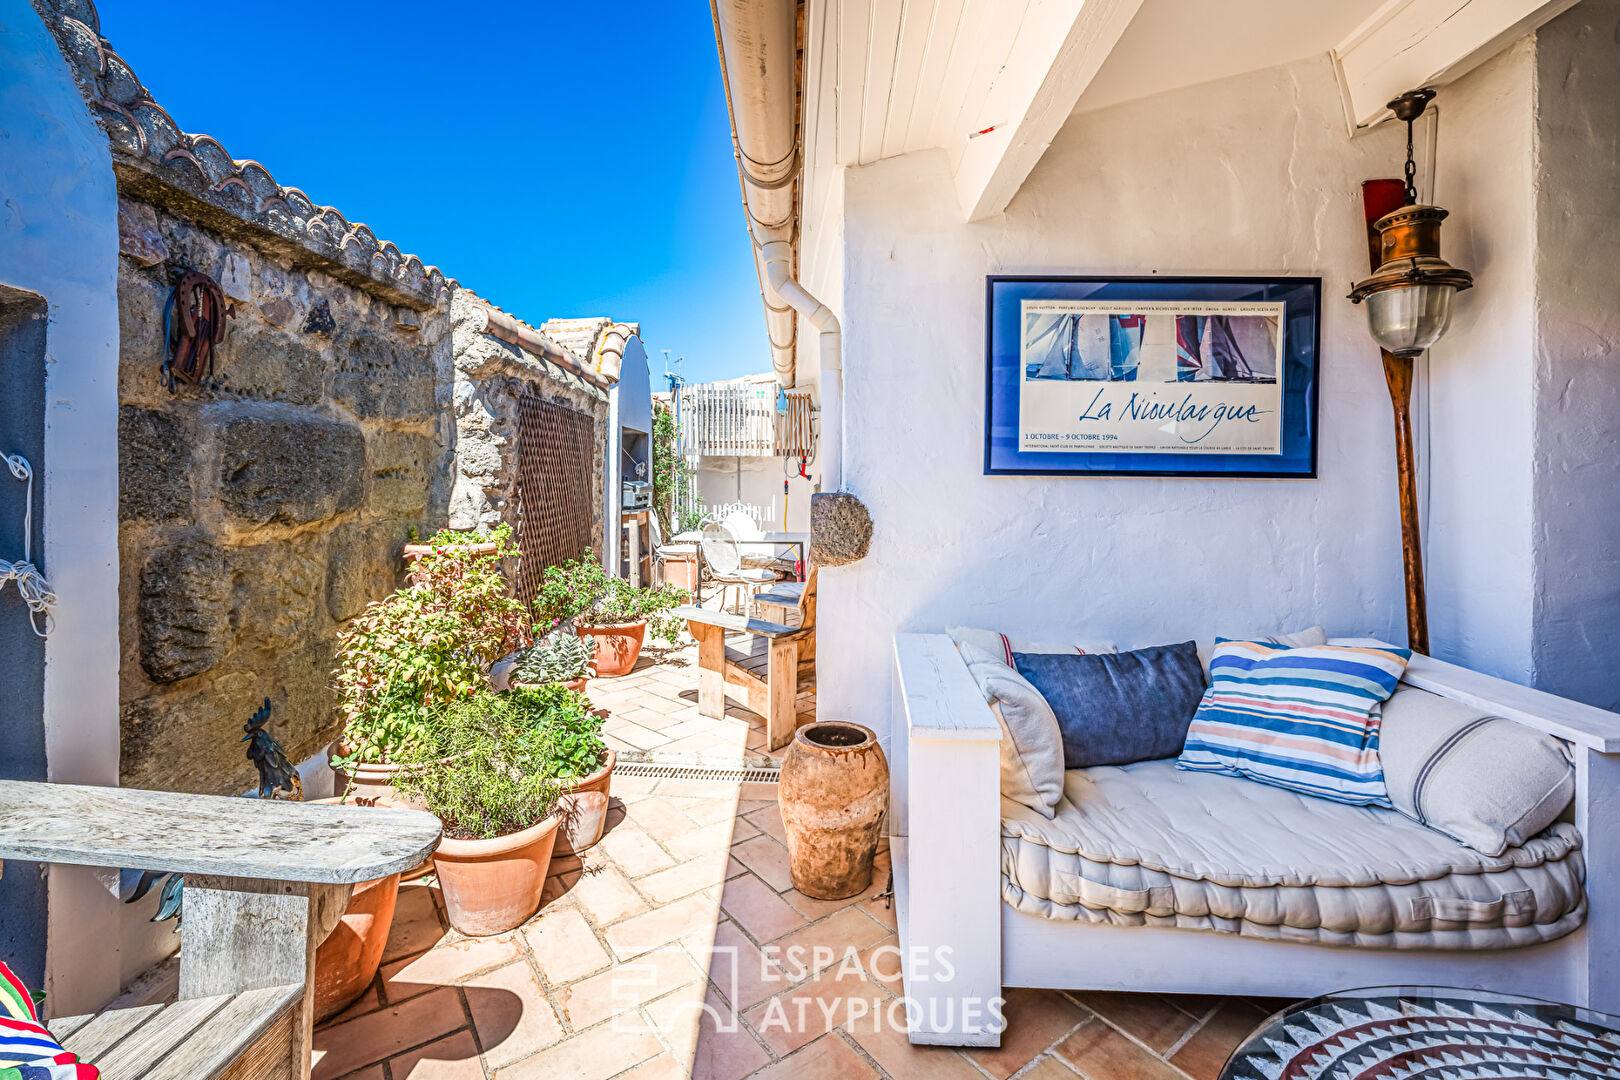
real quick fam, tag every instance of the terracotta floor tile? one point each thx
(757, 791)
(386, 1032)
(813, 909)
(792, 1017)
(1147, 1017)
(690, 917)
(768, 819)
(606, 895)
(1035, 1020)
(1051, 1067)
(595, 1055)
(636, 736)
(694, 875)
(370, 1072)
(417, 923)
(511, 1013)
(1202, 1056)
(451, 1058)
(564, 946)
(659, 1068)
(888, 1045)
(882, 964)
(1098, 1051)
(558, 887)
(447, 963)
(701, 840)
(828, 1058)
(733, 868)
(758, 910)
(661, 819)
(744, 974)
(366, 1002)
(635, 852)
(626, 986)
(840, 938)
(703, 1032)
(767, 857)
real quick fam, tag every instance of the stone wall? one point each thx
(257, 515)
(490, 377)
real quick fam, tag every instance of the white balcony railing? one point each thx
(730, 419)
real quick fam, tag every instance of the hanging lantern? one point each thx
(1409, 297)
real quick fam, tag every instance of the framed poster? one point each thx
(1151, 376)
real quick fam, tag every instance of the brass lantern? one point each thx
(1409, 297)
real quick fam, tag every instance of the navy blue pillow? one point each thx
(1116, 708)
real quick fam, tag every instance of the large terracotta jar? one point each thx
(834, 791)
(492, 886)
(617, 647)
(348, 959)
(584, 808)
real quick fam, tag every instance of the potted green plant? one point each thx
(495, 542)
(611, 610)
(560, 657)
(486, 769)
(407, 655)
(581, 762)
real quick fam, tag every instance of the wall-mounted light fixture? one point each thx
(1409, 300)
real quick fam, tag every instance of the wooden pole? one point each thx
(1379, 197)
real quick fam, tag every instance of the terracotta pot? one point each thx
(492, 886)
(617, 647)
(834, 791)
(584, 820)
(348, 959)
(413, 552)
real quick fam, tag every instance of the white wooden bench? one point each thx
(265, 883)
(945, 821)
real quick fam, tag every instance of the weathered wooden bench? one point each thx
(778, 665)
(265, 883)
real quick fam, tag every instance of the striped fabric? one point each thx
(1304, 719)
(27, 1051)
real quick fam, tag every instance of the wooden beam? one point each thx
(1411, 43)
(1059, 48)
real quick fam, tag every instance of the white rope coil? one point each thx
(31, 584)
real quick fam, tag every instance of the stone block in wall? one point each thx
(275, 591)
(363, 563)
(183, 610)
(289, 468)
(140, 333)
(269, 364)
(402, 467)
(154, 480)
(379, 378)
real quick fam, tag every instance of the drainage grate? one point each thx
(732, 772)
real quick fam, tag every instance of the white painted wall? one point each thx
(59, 239)
(1253, 174)
(758, 482)
(1479, 574)
(1576, 464)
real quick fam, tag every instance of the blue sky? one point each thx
(561, 158)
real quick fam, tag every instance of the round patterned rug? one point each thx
(1411, 1033)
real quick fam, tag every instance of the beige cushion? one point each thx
(1298, 639)
(1031, 745)
(980, 646)
(1480, 779)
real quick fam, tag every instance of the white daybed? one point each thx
(991, 897)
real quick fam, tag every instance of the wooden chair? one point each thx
(779, 663)
(265, 883)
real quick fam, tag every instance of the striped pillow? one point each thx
(1304, 719)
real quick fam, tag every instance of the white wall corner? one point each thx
(1411, 43)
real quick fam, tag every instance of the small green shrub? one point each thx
(500, 534)
(421, 647)
(560, 656)
(488, 767)
(583, 593)
(573, 732)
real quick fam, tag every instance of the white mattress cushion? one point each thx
(977, 646)
(1148, 844)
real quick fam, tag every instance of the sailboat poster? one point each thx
(1152, 376)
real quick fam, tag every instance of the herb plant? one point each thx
(560, 656)
(501, 534)
(422, 647)
(573, 733)
(488, 766)
(583, 593)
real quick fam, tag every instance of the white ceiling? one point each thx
(1176, 43)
